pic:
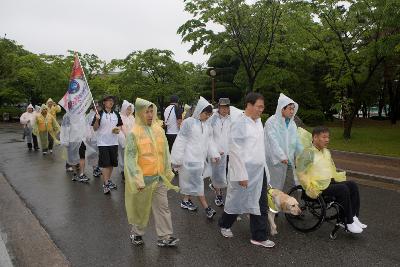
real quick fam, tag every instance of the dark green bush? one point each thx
(312, 117)
(264, 118)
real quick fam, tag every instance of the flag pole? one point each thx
(84, 76)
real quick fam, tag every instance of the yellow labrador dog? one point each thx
(279, 201)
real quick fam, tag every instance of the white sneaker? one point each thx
(226, 232)
(51, 151)
(265, 244)
(357, 221)
(354, 228)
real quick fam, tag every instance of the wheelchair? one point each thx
(315, 212)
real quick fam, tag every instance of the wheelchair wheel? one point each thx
(313, 211)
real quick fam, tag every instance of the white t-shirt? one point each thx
(108, 121)
(170, 119)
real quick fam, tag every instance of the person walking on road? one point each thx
(247, 173)
(107, 125)
(148, 176)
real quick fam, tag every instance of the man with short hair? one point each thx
(318, 175)
(107, 124)
(246, 172)
(173, 120)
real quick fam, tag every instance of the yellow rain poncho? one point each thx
(54, 108)
(315, 168)
(45, 125)
(147, 162)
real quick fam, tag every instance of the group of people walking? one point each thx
(229, 145)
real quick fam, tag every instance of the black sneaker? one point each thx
(210, 212)
(137, 240)
(111, 185)
(106, 189)
(170, 242)
(219, 200)
(96, 172)
(75, 177)
(188, 205)
(83, 178)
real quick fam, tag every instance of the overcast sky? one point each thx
(107, 28)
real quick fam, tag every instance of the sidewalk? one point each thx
(27, 243)
(366, 166)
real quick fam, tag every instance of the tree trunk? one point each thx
(250, 85)
(394, 98)
(348, 122)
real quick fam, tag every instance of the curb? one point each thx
(366, 155)
(5, 260)
(371, 177)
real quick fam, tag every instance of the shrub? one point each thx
(312, 117)
(264, 118)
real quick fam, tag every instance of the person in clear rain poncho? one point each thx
(318, 176)
(281, 142)
(148, 176)
(221, 123)
(92, 159)
(189, 153)
(72, 136)
(28, 120)
(247, 173)
(46, 128)
(128, 121)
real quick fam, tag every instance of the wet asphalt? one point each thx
(91, 229)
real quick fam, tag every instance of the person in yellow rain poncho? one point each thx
(318, 176)
(46, 128)
(53, 108)
(148, 176)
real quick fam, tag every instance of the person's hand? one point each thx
(140, 188)
(97, 116)
(221, 153)
(244, 183)
(175, 166)
(285, 161)
(115, 131)
(215, 160)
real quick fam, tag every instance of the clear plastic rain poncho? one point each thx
(28, 120)
(147, 162)
(221, 127)
(45, 125)
(54, 108)
(246, 162)
(91, 140)
(315, 168)
(73, 133)
(128, 121)
(281, 143)
(192, 146)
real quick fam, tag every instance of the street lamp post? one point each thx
(213, 73)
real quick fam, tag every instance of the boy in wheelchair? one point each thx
(318, 176)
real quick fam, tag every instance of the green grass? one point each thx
(367, 136)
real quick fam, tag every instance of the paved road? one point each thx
(91, 229)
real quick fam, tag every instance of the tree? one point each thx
(354, 45)
(249, 30)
